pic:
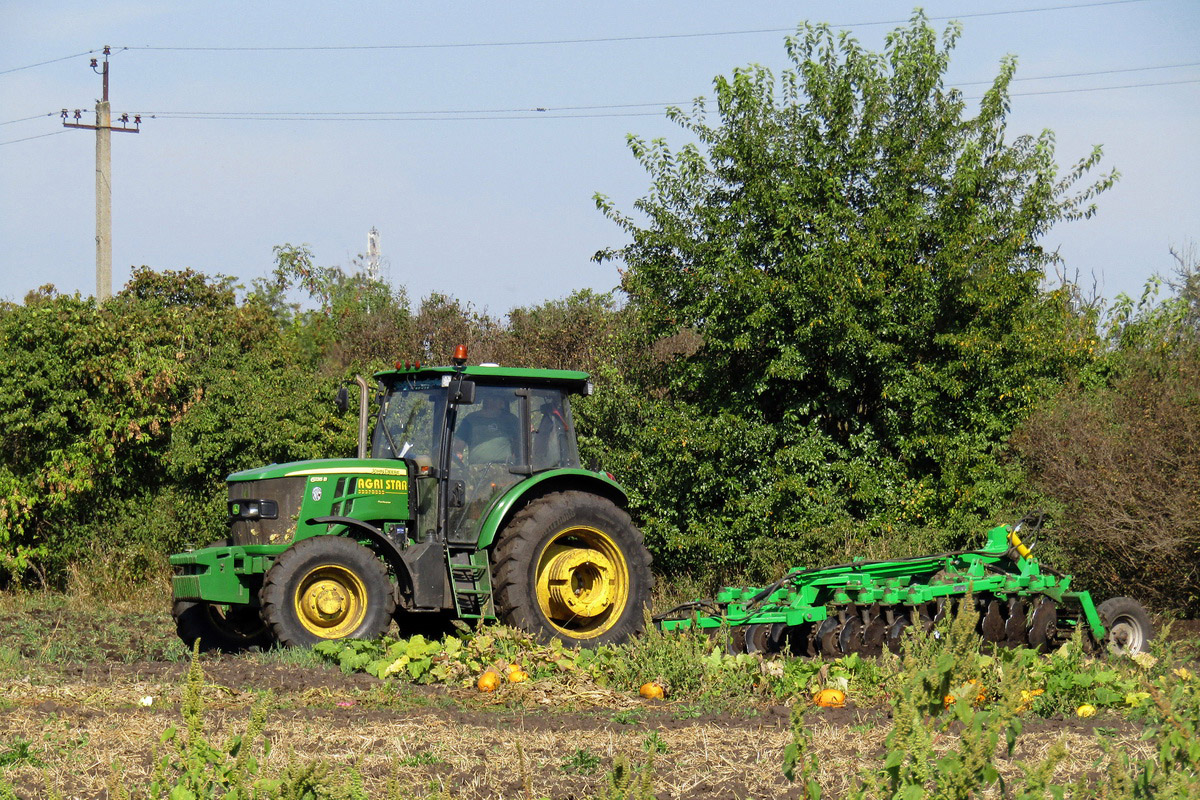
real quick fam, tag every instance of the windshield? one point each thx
(408, 418)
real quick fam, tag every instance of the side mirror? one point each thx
(342, 401)
(462, 393)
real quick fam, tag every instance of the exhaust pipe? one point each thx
(362, 415)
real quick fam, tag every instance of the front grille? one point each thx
(286, 493)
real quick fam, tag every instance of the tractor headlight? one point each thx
(251, 509)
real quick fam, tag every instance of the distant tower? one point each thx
(373, 254)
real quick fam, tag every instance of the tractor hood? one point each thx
(323, 466)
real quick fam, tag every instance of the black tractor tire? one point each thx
(326, 587)
(1128, 625)
(572, 566)
(220, 627)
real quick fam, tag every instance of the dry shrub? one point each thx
(1125, 463)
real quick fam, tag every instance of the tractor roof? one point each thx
(571, 380)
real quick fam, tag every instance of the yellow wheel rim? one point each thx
(331, 602)
(582, 582)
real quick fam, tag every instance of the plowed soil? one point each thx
(84, 690)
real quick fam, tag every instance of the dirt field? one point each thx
(75, 684)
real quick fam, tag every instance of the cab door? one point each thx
(489, 454)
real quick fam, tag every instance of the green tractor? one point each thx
(466, 502)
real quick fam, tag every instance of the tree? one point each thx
(860, 258)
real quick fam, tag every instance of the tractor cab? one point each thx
(472, 434)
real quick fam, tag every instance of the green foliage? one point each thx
(581, 762)
(1116, 453)
(945, 688)
(456, 659)
(195, 768)
(120, 421)
(21, 751)
(90, 395)
(855, 259)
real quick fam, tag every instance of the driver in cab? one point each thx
(488, 435)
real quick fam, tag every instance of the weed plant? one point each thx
(945, 684)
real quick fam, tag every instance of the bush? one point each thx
(1122, 460)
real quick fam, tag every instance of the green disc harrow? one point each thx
(865, 606)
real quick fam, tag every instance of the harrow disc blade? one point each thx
(992, 624)
(849, 638)
(758, 639)
(945, 607)
(1015, 632)
(825, 639)
(895, 632)
(874, 633)
(1042, 624)
(798, 638)
(736, 643)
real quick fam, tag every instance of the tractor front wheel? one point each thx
(326, 587)
(572, 566)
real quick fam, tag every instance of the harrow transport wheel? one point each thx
(572, 566)
(327, 587)
(1128, 624)
(220, 627)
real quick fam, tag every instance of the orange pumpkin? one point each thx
(489, 681)
(654, 690)
(830, 698)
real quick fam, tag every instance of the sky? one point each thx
(310, 123)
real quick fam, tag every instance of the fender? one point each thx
(551, 480)
(394, 555)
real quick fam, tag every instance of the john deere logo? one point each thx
(316, 494)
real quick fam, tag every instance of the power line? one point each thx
(26, 119)
(381, 117)
(1086, 74)
(554, 112)
(278, 115)
(448, 116)
(534, 110)
(610, 39)
(502, 114)
(590, 40)
(51, 61)
(27, 138)
(165, 114)
(1106, 88)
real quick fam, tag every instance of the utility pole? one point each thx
(103, 128)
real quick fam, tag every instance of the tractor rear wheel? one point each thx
(572, 566)
(327, 587)
(1128, 624)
